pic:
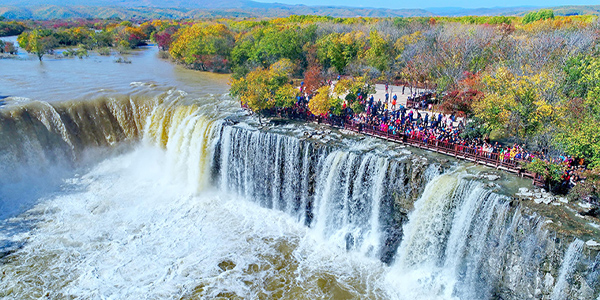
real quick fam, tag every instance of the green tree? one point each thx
(551, 172)
(533, 16)
(323, 102)
(264, 45)
(379, 53)
(352, 88)
(579, 133)
(338, 50)
(37, 42)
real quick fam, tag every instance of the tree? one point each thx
(551, 172)
(11, 28)
(264, 89)
(517, 105)
(461, 101)
(323, 102)
(164, 38)
(7, 47)
(204, 46)
(338, 50)
(264, 45)
(352, 88)
(313, 79)
(579, 133)
(285, 96)
(127, 36)
(533, 16)
(378, 55)
(37, 42)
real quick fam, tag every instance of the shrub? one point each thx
(104, 51)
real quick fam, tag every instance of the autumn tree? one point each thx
(127, 36)
(11, 28)
(461, 100)
(165, 37)
(37, 42)
(516, 105)
(7, 47)
(313, 79)
(351, 88)
(579, 133)
(204, 46)
(264, 89)
(324, 102)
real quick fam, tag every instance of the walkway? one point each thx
(455, 150)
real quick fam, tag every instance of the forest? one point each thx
(533, 80)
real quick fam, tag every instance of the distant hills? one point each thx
(494, 11)
(182, 9)
(192, 4)
(247, 10)
(573, 10)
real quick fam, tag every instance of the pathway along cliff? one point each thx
(157, 193)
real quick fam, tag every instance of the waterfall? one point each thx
(42, 143)
(189, 139)
(460, 240)
(464, 241)
(570, 259)
(338, 193)
(348, 200)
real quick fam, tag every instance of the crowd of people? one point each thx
(427, 126)
(419, 122)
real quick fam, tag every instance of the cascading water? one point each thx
(206, 209)
(464, 241)
(566, 270)
(42, 143)
(345, 197)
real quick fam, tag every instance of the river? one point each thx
(147, 181)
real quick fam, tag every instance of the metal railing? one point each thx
(458, 151)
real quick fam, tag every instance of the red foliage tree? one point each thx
(165, 38)
(313, 79)
(460, 101)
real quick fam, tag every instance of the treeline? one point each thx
(43, 37)
(530, 81)
(11, 28)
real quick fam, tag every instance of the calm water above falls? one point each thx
(59, 79)
(140, 189)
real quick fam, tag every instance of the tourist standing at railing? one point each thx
(438, 130)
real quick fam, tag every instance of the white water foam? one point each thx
(125, 230)
(566, 269)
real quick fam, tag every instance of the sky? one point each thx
(437, 3)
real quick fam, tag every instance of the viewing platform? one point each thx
(451, 149)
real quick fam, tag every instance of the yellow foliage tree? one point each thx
(203, 45)
(516, 104)
(264, 89)
(320, 104)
